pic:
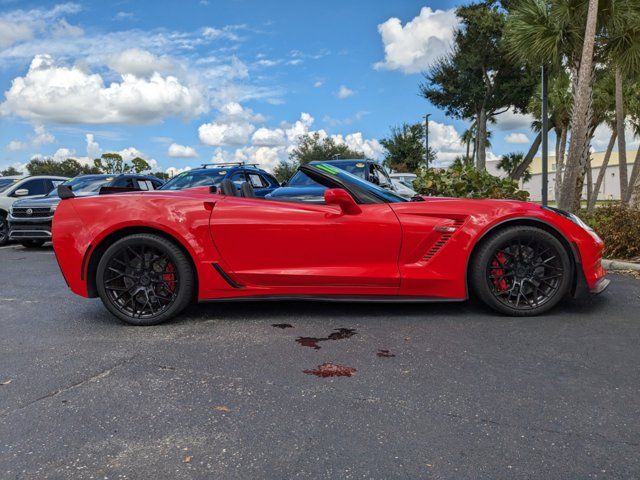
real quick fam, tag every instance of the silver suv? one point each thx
(14, 188)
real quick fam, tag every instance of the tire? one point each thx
(4, 230)
(32, 243)
(521, 271)
(143, 270)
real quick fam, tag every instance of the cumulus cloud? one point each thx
(173, 171)
(266, 137)
(140, 63)
(415, 46)
(93, 148)
(344, 92)
(233, 126)
(517, 138)
(68, 94)
(42, 136)
(181, 151)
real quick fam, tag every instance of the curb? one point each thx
(620, 265)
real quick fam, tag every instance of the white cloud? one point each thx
(181, 151)
(21, 25)
(602, 135)
(49, 92)
(15, 145)
(140, 63)
(63, 153)
(228, 32)
(41, 136)
(318, 84)
(219, 134)
(232, 127)
(344, 92)
(510, 120)
(516, 137)
(419, 43)
(266, 137)
(93, 148)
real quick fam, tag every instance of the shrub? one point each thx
(466, 181)
(619, 226)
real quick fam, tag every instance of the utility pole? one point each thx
(545, 137)
(426, 139)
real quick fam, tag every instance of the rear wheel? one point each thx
(521, 271)
(145, 279)
(32, 243)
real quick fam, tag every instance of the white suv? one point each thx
(13, 188)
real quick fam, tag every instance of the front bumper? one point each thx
(600, 286)
(38, 228)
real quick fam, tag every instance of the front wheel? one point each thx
(4, 231)
(145, 279)
(521, 271)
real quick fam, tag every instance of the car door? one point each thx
(266, 243)
(38, 187)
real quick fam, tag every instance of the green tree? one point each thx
(405, 148)
(478, 79)
(140, 165)
(10, 172)
(161, 175)
(509, 162)
(112, 163)
(312, 147)
(285, 170)
(67, 168)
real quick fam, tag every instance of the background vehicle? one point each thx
(404, 177)
(14, 188)
(301, 188)
(148, 263)
(403, 189)
(30, 218)
(262, 182)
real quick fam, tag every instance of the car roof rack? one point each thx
(229, 164)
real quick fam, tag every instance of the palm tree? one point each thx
(509, 162)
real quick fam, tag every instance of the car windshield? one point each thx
(5, 183)
(301, 179)
(360, 183)
(86, 184)
(196, 178)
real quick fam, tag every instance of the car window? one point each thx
(238, 178)
(380, 175)
(300, 179)
(156, 184)
(197, 178)
(257, 181)
(124, 182)
(35, 187)
(5, 183)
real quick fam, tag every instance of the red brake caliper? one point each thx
(169, 277)
(499, 260)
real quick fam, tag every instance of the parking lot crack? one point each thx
(96, 376)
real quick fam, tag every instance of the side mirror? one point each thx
(21, 192)
(341, 198)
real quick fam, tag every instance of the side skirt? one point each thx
(334, 298)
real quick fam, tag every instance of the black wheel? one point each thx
(32, 243)
(145, 279)
(521, 271)
(4, 230)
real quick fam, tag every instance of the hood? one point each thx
(37, 202)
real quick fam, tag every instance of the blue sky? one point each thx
(197, 81)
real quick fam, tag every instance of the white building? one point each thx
(610, 189)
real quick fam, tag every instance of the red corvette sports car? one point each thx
(148, 255)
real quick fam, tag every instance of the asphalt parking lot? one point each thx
(438, 391)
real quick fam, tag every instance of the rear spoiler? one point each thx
(64, 192)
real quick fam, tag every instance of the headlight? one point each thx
(575, 219)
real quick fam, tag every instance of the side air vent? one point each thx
(446, 232)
